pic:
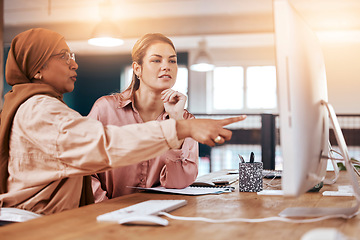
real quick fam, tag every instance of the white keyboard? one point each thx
(150, 207)
(225, 179)
(272, 173)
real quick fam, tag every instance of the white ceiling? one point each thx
(40, 11)
(224, 23)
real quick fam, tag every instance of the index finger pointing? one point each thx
(228, 121)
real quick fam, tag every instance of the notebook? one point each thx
(219, 181)
(191, 190)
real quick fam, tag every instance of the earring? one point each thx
(38, 76)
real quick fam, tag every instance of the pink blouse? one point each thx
(174, 169)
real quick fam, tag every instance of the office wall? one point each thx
(97, 76)
(342, 61)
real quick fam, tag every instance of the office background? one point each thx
(237, 33)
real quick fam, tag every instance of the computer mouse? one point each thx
(324, 234)
(144, 220)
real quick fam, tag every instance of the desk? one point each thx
(81, 223)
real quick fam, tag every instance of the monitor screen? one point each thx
(304, 123)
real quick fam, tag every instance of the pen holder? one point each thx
(250, 177)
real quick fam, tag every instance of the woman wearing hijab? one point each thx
(46, 148)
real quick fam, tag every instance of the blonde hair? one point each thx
(139, 51)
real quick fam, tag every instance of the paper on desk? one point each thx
(343, 191)
(193, 191)
(17, 215)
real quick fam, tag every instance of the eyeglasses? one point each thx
(67, 56)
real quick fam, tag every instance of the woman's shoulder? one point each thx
(44, 105)
(43, 101)
(112, 99)
(115, 99)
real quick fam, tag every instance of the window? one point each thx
(237, 88)
(126, 78)
(181, 84)
(228, 87)
(261, 87)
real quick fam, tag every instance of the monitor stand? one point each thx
(328, 211)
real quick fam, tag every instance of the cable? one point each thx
(339, 153)
(258, 220)
(342, 159)
(268, 184)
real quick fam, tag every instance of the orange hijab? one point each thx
(28, 53)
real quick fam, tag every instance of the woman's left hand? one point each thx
(174, 103)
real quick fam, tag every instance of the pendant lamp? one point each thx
(202, 61)
(105, 33)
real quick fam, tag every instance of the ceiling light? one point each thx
(202, 61)
(105, 34)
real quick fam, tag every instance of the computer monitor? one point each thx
(301, 82)
(303, 108)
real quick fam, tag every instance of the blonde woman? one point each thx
(149, 97)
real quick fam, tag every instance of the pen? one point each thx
(252, 157)
(241, 159)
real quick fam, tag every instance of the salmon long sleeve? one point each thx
(52, 147)
(176, 168)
